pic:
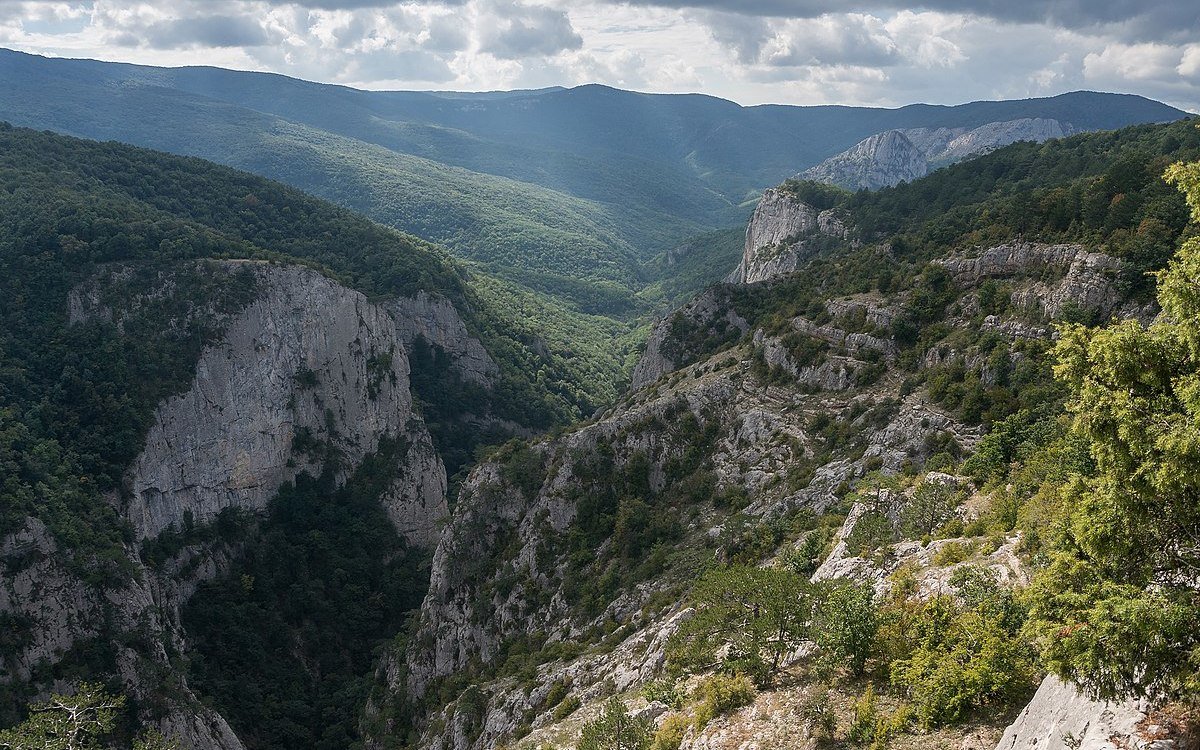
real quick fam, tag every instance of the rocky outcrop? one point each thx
(48, 610)
(1054, 276)
(653, 363)
(870, 307)
(832, 373)
(881, 160)
(896, 156)
(436, 320)
(496, 574)
(48, 607)
(994, 135)
(306, 370)
(776, 237)
(1061, 718)
(709, 313)
(931, 579)
(852, 342)
(310, 367)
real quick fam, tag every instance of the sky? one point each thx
(882, 53)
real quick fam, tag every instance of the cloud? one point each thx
(206, 31)
(1133, 62)
(1141, 18)
(876, 52)
(849, 40)
(514, 31)
(400, 65)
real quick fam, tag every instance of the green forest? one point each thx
(1087, 442)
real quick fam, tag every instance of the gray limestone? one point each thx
(1059, 717)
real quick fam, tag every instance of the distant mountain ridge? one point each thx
(896, 156)
(571, 192)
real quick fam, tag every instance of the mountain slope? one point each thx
(793, 425)
(896, 156)
(545, 187)
(208, 378)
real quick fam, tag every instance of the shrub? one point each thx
(966, 657)
(664, 691)
(569, 705)
(720, 694)
(845, 624)
(670, 734)
(863, 718)
(615, 729)
(952, 554)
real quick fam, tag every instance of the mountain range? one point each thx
(572, 192)
(909, 467)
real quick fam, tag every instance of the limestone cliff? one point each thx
(1049, 277)
(435, 320)
(780, 236)
(994, 135)
(896, 156)
(883, 159)
(309, 363)
(308, 371)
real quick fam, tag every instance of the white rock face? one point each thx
(306, 357)
(896, 156)
(995, 135)
(436, 320)
(883, 159)
(309, 358)
(775, 243)
(1087, 280)
(1061, 718)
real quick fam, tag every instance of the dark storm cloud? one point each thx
(206, 31)
(1146, 18)
(520, 31)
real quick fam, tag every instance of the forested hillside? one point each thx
(252, 477)
(568, 192)
(122, 269)
(871, 502)
(77, 398)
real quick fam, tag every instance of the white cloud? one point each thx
(1132, 62)
(811, 51)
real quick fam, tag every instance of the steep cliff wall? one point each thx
(896, 156)
(309, 372)
(437, 321)
(778, 237)
(878, 161)
(309, 363)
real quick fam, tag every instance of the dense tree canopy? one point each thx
(1117, 609)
